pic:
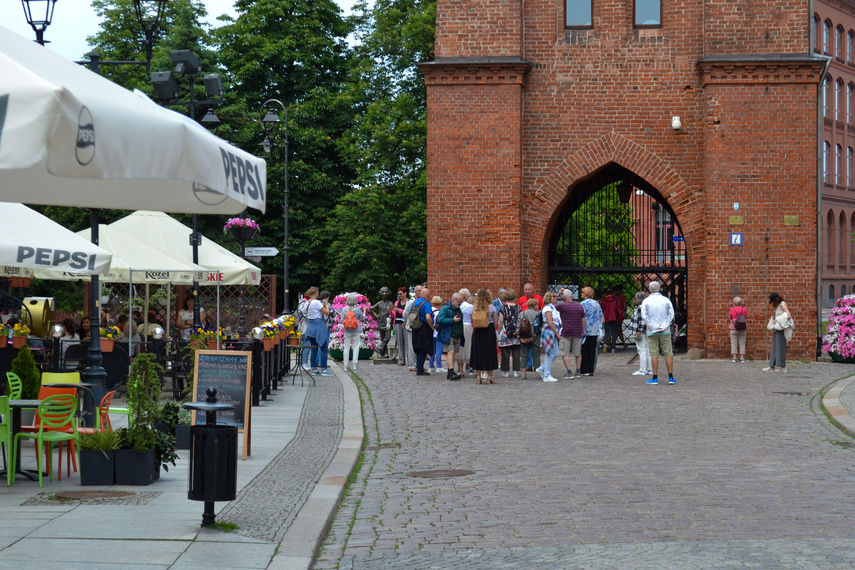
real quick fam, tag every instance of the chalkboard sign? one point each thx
(230, 373)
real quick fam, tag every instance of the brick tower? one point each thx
(527, 101)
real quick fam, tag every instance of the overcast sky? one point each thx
(73, 20)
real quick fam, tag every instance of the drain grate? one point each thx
(91, 495)
(793, 393)
(441, 473)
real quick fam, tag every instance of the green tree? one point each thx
(379, 228)
(294, 51)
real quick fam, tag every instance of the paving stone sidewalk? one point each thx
(732, 467)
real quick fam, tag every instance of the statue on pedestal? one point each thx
(380, 310)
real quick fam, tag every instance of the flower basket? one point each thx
(107, 344)
(18, 341)
(212, 345)
(4, 340)
(842, 359)
(268, 344)
(242, 233)
(839, 340)
(293, 341)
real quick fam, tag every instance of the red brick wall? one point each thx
(478, 28)
(607, 95)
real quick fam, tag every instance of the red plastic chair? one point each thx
(71, 453)
(104, 423)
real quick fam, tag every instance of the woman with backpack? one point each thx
(530, 325)
(484, 316)
(737, 323)
(351, 317)
(509, 339)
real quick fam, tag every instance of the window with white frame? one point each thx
(826, 36)
(838, 164)
(826, 151)
(850, 157)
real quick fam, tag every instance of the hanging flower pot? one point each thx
(107, 344)
(242, 233)
(18, 341)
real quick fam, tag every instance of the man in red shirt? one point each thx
(528, 289)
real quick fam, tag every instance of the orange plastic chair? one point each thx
(54, 415)
(103, 414)
(71, 453)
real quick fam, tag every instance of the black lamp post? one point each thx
(149, 16)
(271, 123)
(166, 87)
(39, 14)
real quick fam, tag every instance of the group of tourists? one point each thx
(479, 334)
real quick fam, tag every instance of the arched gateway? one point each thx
(616, 232)
(532, 113)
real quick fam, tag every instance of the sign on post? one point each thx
(260, 251)
(230, 373)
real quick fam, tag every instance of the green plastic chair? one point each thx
(15, 385)
(6, 436)
(55, 415)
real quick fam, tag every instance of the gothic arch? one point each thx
(547, 202)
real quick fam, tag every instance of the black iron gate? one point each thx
(616, 235)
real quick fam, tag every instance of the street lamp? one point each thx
(166, 87)
(271, 124)
(39, 14)
(149, 16)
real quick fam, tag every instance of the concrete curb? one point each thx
(305, 535)
(840, 416)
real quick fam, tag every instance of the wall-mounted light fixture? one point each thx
(676, 124)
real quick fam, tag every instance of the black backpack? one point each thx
(537, 325)
(525, 327)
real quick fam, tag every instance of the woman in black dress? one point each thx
(484, 358)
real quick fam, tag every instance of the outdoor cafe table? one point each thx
(17, 406)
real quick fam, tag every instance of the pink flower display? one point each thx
(369, 334)
(241, 223)
(840, 334)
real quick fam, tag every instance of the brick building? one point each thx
(536, 106)
(834, 30)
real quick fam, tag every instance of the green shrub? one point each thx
(24, 365)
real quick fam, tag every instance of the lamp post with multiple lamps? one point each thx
(166, 88)
(39, 14)
(271, 123)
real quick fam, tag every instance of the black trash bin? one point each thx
(213, 463)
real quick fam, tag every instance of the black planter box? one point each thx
(134, 468)
(182, 437)
(97, 467)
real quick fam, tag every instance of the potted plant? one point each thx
(98, 457)
(241, 229)
(20, 331)
(143, 449)
(24, 365)
(106, 294)
(839, 339)
(294, 338)
(175, 420)
(108, 338)
(368, 337)
(4, 334)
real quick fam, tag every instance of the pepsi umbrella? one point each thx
(70, 137)
(30, 241)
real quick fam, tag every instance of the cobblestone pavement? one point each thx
(266, 507)
(732, 467)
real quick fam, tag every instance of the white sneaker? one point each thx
(440, 370)
(516, 374)
(550, 378)
(639, 373)
(769, 369)
(506, 374)
(354, 367)
(540, 373)
(431, 369)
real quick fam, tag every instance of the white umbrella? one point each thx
(70, 137)
(163, 232)
(133, 260)
(29, 240)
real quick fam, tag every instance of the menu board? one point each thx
(230, 373)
